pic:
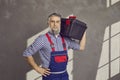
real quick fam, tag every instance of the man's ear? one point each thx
(47, 22)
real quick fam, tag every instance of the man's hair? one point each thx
(54, 14)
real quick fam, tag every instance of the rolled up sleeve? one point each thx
(34, 47)
(72, 44)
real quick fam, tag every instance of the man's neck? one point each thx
(56, 35)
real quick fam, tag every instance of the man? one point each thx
(53, 49)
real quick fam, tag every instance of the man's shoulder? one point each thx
(69, 39)
(41, 36)
(66, 38)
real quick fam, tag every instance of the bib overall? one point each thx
(58, 62)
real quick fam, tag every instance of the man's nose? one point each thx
(54, 23)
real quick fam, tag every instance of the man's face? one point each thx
(54, 23)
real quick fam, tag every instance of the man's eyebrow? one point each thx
(54, 20)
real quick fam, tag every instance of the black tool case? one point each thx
(72, 28)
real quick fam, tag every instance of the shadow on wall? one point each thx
(98, 21)
(19, 20)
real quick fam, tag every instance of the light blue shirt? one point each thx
(42, 45)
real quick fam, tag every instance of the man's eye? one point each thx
(58, 21)
(52, 21)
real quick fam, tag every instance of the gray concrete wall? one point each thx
(21, 19)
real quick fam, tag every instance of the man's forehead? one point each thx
(55, 17)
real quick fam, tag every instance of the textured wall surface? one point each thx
(21, 19)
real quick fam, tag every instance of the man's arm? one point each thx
(83, 42)
(42, 71)
(31, 50)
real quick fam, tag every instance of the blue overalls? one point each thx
(58, 62)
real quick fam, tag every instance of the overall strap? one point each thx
(63, 42)
(51, 43)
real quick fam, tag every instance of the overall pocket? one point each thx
(60, 58)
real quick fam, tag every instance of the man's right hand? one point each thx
(43, 71)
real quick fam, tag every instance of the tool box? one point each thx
(72, 27)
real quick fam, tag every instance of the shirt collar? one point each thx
(53, 34)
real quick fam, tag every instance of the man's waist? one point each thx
(56, 72)
(59, 72)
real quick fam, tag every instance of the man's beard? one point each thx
(55, 32)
